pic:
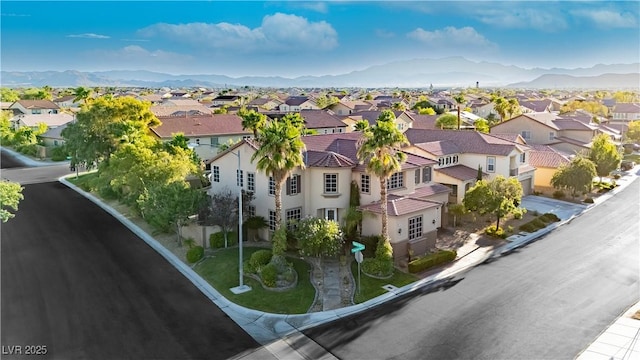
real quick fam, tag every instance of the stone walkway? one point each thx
(333, 282)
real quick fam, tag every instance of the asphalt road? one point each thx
(549, 300)
(77, 281)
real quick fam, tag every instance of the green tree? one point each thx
(633, 132)
(10, 197)
(426, 111)
(447, 121)
(398, 106)
(458, 211)
(6, 131)
(167, 206)
(626, 96)
(325, 100)
(82, 94)
(577, 176)
(605, 155)
(106, 124)
(252, 120)
(379, 149)
(460, 100)
(499, 196)
(279, 152)
(9, 95)
(318, 237)
(482, 125)
(37, 94)
(594, 107)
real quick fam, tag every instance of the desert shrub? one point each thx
(30, 149)
(518, 213)
(259, 259)
(588, 200)
(384, 251)
(377, 267)
(216, 240)
(549, 218)
(616, 176)
(510, 229)
(269, 275)
(492, 231)
(528, 227)
(59, 153)
(431, 260)
(558, 194)
(195, 254)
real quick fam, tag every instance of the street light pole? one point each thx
(240, 288)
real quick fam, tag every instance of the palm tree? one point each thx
(460, 100)
(253, 120)
(379, 148)
(81, 93)
(279, 152)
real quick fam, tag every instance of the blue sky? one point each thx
(294, 38)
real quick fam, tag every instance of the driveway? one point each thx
(562, 209)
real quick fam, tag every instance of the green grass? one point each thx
(84, 181)
(372, 288)
(221, 271)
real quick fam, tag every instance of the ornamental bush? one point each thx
(195, 254)
(259, 259)
(492, 231)
(269, 275)
(377, 267)
(558, 194)
(216, 240)
(549, 218)
(431, 260)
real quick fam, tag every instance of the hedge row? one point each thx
(429, 261)
(539, 222)
(216, 240)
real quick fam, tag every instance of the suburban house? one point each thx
(32, 121)
(535, 106)
(348, 107)
(180, 110)
(324, 122)
(53, 137)
(404, 119)
(625, 112)
(264, 103)
(322, 189)
(483, 109)
(459, 154)
(205, 132)
(564, 133)
(424, 121)
(34, 107)
(179, 101)
(546, 160)
(67, 101)
(297, 103)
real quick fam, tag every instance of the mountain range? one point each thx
(416, 73)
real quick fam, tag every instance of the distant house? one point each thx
(297, 103)
(205, 132)
(33, 121)
(346, 107)
(67, 101)
(625, 112)
(180, 110)
(264, 103)
(536, 106)
(483, 109)
(34, 107)
(424, 121)
(154, 99)
(53, 137)
(179, 101)
(323, 122)
(404, 119)
(546, 160)
(222, 100)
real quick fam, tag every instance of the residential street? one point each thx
(548, 300)
(77, 281)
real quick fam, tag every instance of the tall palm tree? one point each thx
(460, 100)
(379, 148)
(279, 152)
(253, 120)
(81, 93)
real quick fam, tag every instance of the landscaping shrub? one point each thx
(370, 244)
(549, 218)
(492, 231)
(195, 254)
(216, 240)
(269, 275)
(588, 200)
(432, 260)
(30, 150)
(558, 194)
(259, 259)
(58, 153)
(518, 213)
(377, 267)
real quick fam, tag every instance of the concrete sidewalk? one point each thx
(620, 341)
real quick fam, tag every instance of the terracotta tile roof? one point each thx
(547, 158)
(573, 125)
(52, 120)
(315, 119)
(633, 108)
(64, 98)
(55, 133)
(424, 121)
(401, 205)
(536, 105)
(327, 159)
(467, 141)
(37, 104)
(444, 147)
(206, 125)
(372, 115)
(430, 190)
(296, 100)
(460, 172)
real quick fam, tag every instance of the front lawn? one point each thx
(372, 288)
(221, 271)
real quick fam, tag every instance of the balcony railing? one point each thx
(513, 172)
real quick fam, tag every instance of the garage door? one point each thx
(526, 186)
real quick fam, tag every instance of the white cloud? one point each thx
(317, 6)
(523, 18)
(451, 36)
(608, 18)
(89, 36)
(278, 32)
(138, 55)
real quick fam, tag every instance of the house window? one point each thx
(293, 185)
(251, 211)
(331, 214)
(552, 135)
(415, 227)
(272, 186)
(272, 220)
(293, 216)
(426, 174)
(198, 141)
(330, 183)
(239, 178)
(251, 181)
(214, 141)
(417, 176)
(439, 161)
(246, 137)
(55, 142)
(396, 181)
(36, 111)
(491, 164)
(365, 183)
(216, 173)
(526, 134)
(523, 157)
